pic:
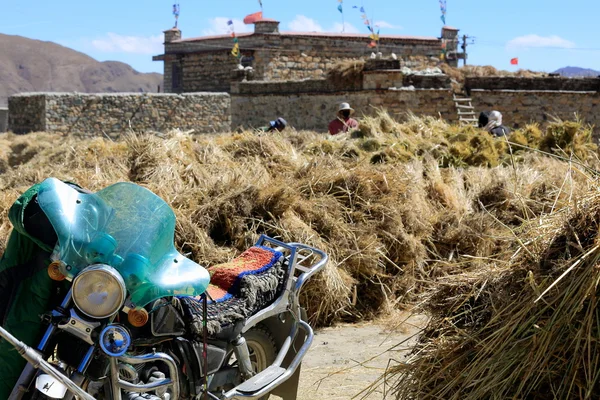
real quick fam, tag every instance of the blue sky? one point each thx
(544, 35)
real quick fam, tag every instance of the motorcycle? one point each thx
(141, 321)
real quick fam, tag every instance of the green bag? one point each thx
(26, 290)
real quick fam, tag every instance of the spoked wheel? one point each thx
(261, 347)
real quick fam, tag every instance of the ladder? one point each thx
(465, 110)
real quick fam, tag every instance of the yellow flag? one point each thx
(374, 36)
(236, 50)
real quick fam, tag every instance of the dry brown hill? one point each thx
(28, 65)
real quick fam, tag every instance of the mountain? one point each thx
(572, 72)
(28, 65)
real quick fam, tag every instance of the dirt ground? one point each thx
(345, 360)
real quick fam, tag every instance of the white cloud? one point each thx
(115, 43)
(348, 28)
(218, 26)
(387, 25)
(304, 24)
(531, 41)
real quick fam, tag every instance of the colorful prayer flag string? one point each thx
(176, 13)
(340, 8)
(443, 9)
(373, 36)
(235, 51)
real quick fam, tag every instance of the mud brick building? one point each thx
(205, 63)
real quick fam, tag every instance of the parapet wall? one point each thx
(522, 107)
(307, 104)
(114, 114)
(533, 84)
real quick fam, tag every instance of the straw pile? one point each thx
(525, 326)
(390, 225)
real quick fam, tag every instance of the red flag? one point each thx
(514, 61)
(252, 18)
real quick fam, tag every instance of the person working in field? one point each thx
(492, 123)
(343, 121)
(278, 125)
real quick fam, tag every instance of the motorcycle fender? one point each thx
(50, 387)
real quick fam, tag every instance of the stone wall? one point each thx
(114, 114)
(554, 83)
(522, 107)
(209, 71)
(396, 79)
(294, 87)
(26, 113)
(3, 119)
(314, 111)
(297, 66)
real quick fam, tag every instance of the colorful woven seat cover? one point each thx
(225, 278)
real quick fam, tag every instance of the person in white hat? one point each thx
(343, 123)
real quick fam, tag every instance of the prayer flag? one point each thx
(236, 50)
(372, 44)
(514, 61)
(252, 18)
(340, 9)
(260, 3)
(230, 22)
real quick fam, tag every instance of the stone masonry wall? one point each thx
(539, 83)
(314, 111)
(26, 113)
(296, 66)
(114, 114)
(210, 71)
(519, 108)
(3, 119)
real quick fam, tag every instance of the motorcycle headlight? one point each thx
(99, 291)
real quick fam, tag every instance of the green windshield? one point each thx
(125, 226)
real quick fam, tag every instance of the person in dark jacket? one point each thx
(278, 125)
(494, 125)
(484, 118)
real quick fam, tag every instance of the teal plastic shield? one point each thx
(125, 226)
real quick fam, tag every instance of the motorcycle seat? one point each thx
(238, 289)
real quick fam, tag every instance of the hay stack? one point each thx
(389, 226)
(526, 325)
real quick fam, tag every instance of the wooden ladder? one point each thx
(465, 110)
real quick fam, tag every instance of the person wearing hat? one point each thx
(494, 125)
(343, 123)
(278, 125)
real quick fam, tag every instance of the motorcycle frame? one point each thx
(297, 275)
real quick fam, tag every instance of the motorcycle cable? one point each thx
(205, 341)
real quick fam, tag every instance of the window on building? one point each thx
(176, 76)
(247, 61)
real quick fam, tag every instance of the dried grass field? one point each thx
(420, 215)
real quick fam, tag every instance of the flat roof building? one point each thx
(206, 64)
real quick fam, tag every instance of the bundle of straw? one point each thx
(524, 328)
